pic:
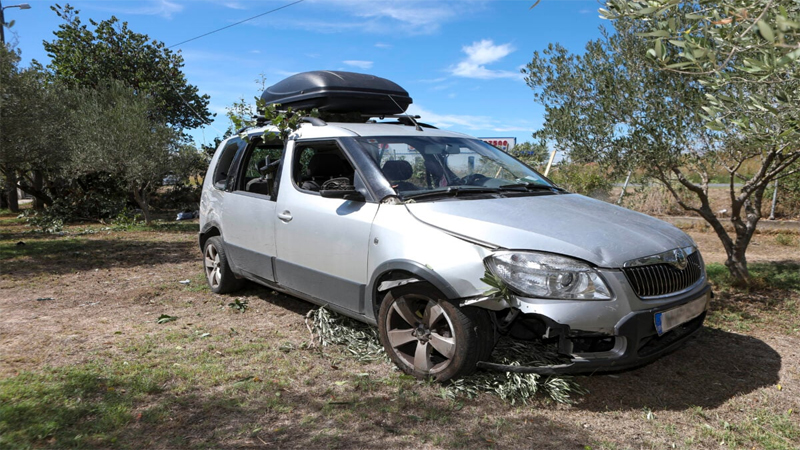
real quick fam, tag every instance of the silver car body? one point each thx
(337, 252)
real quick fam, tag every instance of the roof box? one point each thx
(339, 92)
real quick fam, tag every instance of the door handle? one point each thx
(285, 216)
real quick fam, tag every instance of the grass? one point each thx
(773, 290)
(764, 276)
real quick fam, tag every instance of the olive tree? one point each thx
(613, 105)
(115, 134)
(744, 54)
(84, 57)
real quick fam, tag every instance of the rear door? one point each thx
(249, 212)
(322, 243)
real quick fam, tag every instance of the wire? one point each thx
(237, 23)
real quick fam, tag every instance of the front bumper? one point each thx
(637, 342)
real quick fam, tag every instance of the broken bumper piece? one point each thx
(639, 340)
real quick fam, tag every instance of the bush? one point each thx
(587, 179)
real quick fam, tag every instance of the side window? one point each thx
(318, 162)
(225, 163)
(259, 168)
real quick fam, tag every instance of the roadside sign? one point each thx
(503, 143)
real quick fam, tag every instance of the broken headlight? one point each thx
(545, 275)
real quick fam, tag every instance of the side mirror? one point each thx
(345, 195)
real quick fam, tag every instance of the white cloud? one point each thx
(163, 8)
(359, 64)
(234, 5)
(467, 122)
(449, 120)
(485, 52)
(414, 17)
(479, 54)
(382, 45)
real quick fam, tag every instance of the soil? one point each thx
(79, 296)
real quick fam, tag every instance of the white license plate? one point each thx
(667, 320)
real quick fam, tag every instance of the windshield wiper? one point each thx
(530, 187)
(452, 191)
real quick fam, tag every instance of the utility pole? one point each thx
(10, 188)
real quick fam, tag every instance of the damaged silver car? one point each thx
(399, 224)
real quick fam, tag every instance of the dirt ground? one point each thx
(93, 298)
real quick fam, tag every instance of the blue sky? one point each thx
(459, 60)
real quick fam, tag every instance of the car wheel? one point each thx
(220, 278)
(427, 336)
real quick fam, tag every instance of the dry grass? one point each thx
(84, 363)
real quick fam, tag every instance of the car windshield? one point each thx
(424, 166)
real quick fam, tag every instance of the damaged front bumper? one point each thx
(638, 338)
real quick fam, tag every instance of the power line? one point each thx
(237, 23)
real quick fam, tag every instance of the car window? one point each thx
(316, 163)
(415, 164)
(260, 167)
(225, 163)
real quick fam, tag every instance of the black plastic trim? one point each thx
(416, 269)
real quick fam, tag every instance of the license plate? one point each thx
(667, 320)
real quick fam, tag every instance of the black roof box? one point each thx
(339, 92)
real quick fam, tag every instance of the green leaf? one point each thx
(766, 31)
(677, 43)
(165, 318)
(657, 33)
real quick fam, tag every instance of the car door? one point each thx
(249, 213)
(322, 243)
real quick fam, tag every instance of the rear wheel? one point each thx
(427, 336)
(220, 278)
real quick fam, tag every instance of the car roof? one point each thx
(342, 129)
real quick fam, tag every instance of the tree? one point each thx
(116, 135)
(745, 55)
(81, 57)
(614, 106)
(530, 153)
(32, 128)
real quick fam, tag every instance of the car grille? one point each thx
(663, 279)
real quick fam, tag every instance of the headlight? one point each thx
(544, 275)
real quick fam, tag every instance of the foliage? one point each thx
(615, 106)
(34, 125)
(586, 179)
(81, 57)
(362, 343)
(114, 131)
(531, 154)
(238, 305)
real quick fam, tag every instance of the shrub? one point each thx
(587, 179)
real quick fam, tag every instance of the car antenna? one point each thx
(416, 125)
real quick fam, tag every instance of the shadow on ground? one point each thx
(125, 411)
(70, 254)
(709, 370)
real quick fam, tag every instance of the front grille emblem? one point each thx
(678, 259)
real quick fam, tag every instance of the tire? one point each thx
(427, 336)
(218, 272)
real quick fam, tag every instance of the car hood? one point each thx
(568, 224)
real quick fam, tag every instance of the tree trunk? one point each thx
(142, 199)
(11, 192)
(737, 265)
(38, 184)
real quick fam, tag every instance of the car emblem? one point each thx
(678, 259)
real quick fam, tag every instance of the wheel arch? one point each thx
(209, 230)
(399, 270)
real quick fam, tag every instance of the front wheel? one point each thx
(427, 336)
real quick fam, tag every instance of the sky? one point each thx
(459, 60)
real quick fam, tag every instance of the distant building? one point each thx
(503, 143)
